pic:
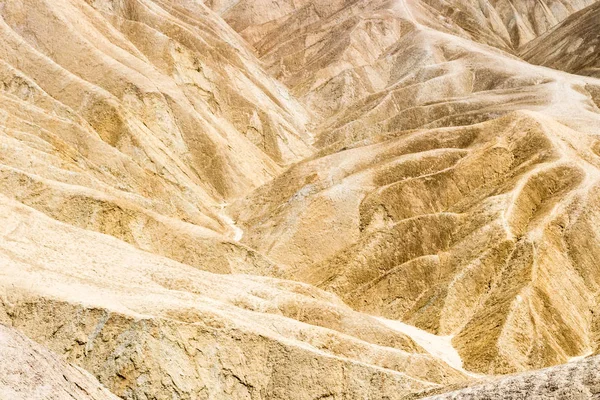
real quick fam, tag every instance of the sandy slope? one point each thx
(147, 326)
(212, 201)
(446, 194)
(508, 24)
(570, 381)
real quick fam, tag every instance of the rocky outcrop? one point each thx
(296, 199)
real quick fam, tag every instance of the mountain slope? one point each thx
(149, 327)
(449, 181)
(572, 46)
(270, 205)
(143, 128)
(149, 120)
(507, 24)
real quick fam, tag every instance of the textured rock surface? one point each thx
(509, 24)
(30, 372)
(572, 46)
(457, 188)
(576, 380)
(266, 199)
(149, 327)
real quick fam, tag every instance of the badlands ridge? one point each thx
(299, 199)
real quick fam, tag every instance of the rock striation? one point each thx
(572, 46)
(149, 327)
(458, 188)
(305, 200)
(576, 380)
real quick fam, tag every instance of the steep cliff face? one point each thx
(298, 199)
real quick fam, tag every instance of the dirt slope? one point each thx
(572, 46)
(298, 199)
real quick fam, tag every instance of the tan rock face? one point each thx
(30, 372)
(149, 327)
(506, 23)
(297, 199)
(457, 190)
(142, 125)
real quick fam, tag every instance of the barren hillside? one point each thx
(576, 380)
(572, 46)
(272, 199)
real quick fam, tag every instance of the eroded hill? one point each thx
(297, 200)
(572, 46)
(444, 196)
